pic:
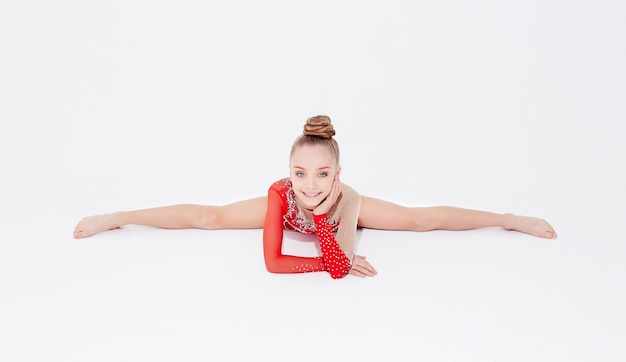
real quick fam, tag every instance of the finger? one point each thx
(332, 195)
(369, 268)
(360, 264)
(364, 270)
(363, 262)
(356, 273)
(336, 189)
(359, 268)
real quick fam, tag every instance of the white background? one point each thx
(507, 106)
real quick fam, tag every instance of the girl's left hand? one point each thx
(330, 200)
(362, 268)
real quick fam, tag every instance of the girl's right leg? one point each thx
(247, 214)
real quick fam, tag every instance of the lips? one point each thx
(312, 195)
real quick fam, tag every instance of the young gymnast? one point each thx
(313, 200)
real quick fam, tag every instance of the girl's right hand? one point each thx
(362, 268)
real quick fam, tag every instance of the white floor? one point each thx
(503, 106)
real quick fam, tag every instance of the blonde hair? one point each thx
(318, 130)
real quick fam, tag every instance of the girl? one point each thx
(313, 200)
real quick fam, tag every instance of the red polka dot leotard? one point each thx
(283, 213)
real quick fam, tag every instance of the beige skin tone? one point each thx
(314, 173)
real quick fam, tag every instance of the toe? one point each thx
(78, 234)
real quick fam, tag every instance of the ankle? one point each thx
(510, 221)
(117, 219)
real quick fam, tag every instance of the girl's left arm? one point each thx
(346, 235)
(348, 209)
(338, 252)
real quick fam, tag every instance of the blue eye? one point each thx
(323, 174)
(300, 174)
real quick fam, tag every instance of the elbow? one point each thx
(271, 265)
(271, 268)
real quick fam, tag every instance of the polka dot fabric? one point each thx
(335, 260)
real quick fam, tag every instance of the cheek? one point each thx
(295, 181)
(328, 183)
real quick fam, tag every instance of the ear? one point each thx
(338, 170)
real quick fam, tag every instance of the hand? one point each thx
(330, 200)
(362, 268)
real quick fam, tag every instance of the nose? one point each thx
(310, 182)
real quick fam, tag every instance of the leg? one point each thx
(245, 214)
(379, 214)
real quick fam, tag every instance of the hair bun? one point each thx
(319, 126)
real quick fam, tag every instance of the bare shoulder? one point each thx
(349, 194)
(349, 205)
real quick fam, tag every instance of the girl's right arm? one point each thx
(275, 260)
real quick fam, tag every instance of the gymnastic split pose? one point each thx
(313, 200)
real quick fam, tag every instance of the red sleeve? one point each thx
(335, 259)
(275, 261)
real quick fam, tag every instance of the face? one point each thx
(312, 171)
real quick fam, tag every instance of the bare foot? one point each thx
(531, 225)
(92, 225)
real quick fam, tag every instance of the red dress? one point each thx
(283, 213)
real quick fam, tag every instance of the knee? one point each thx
(206, 217)
(425, 219)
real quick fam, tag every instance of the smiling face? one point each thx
(312, 171)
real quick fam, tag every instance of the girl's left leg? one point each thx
(380, 214)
